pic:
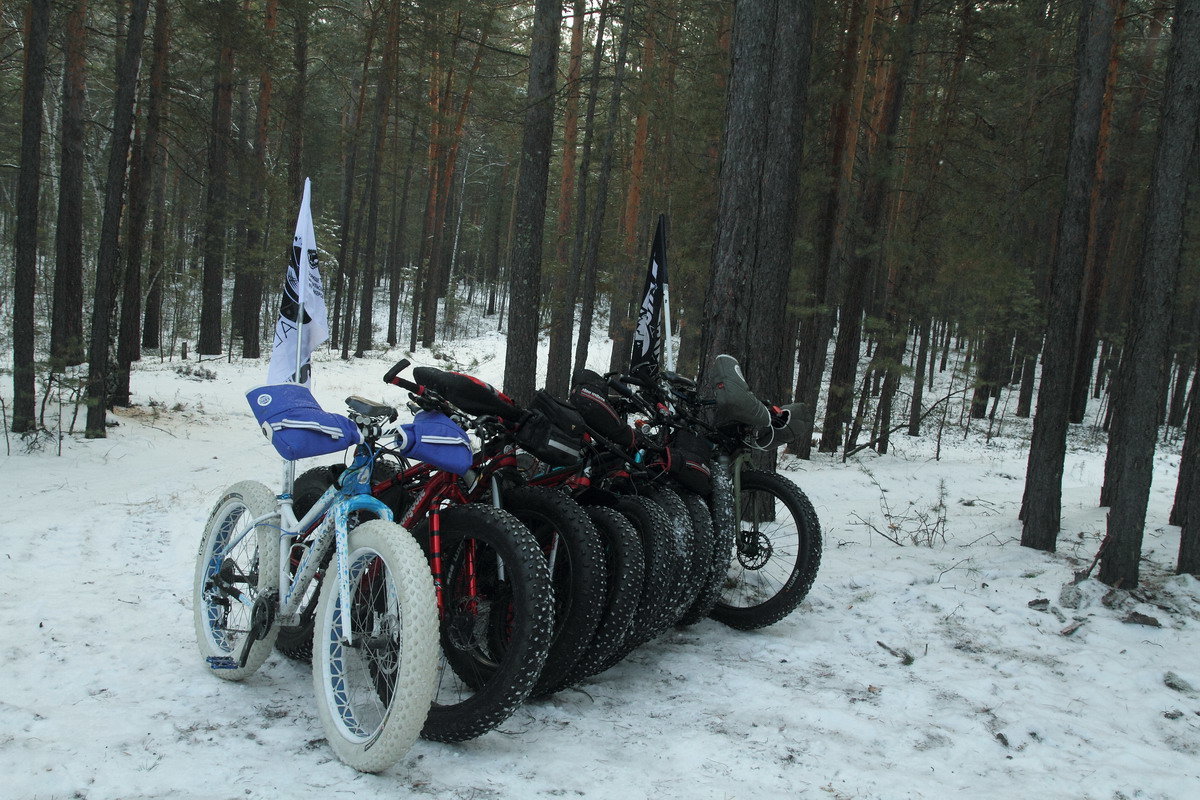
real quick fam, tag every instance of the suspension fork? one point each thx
(734, 466)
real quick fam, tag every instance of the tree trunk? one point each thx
(66, 328)
(870, 238)
(1143, 375)
(216, 198)
(918, 395)
(37, 26)
(141, 182)
(1189, 458)
(109, 253)
(562, 313)
(525, 261)
(758, 196)
(383, 101)
(1041, 508)
(296, 102)
(816, 326)
(256, 233)
(398, 246)
(596, 226)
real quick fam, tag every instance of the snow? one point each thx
(911, 671)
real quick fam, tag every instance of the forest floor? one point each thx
(953, 664)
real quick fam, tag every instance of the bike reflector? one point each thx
(437, 440)
(296, 425)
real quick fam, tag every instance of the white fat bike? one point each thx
(375, 643)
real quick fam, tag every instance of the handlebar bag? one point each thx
(296, 425)
(687, 458)
(589, 396)
(437, 440)
(546, 441)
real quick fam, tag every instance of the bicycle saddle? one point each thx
(369, 408)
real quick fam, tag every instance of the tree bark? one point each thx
(37, 26)
(1042, 505)
(870, 239)
(66, 328)
(109, 253)
(758, 198)
(525, 261)
(562, 313)
(141, 181)
(217, 194)
(1143, 375)
(596, 226)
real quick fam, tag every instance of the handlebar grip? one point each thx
(397, 368)
(620, 388)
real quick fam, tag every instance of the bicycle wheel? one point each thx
(650, 521)
(374, 682)
(578, 574)
(237, 574)
(497, 618)
(626, 562)
(704, 558)
(777, 553)
(681, 546)
(296, 641)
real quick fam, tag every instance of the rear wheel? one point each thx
(626, 564)
(496, 620)
(374, 681)
(578, 574)
(704, 559)
(236, 579)
(650, 521)
(776, 556)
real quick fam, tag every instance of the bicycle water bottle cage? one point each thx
(437, 440)
(296, 425)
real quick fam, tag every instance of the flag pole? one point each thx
(668, 344)
(301, 288)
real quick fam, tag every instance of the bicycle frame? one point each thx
(329, 517)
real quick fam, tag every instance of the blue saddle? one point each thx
(296, 425)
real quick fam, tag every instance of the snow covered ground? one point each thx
(963, 669)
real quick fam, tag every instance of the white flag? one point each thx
(295, 339)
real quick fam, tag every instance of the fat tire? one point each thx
(807, 559)
(626, 562)
(649, 520)
(498, 691)
(405, 697)
(579, 577)
(259, 550)
(705, 561)
(681, 545)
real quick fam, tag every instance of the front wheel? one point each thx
(374, 682)
(777, 550)
(237, 576)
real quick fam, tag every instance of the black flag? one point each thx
(647, 339)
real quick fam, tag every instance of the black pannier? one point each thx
(589, 396)
(552, 431)
(687, 458)
(546, 441)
